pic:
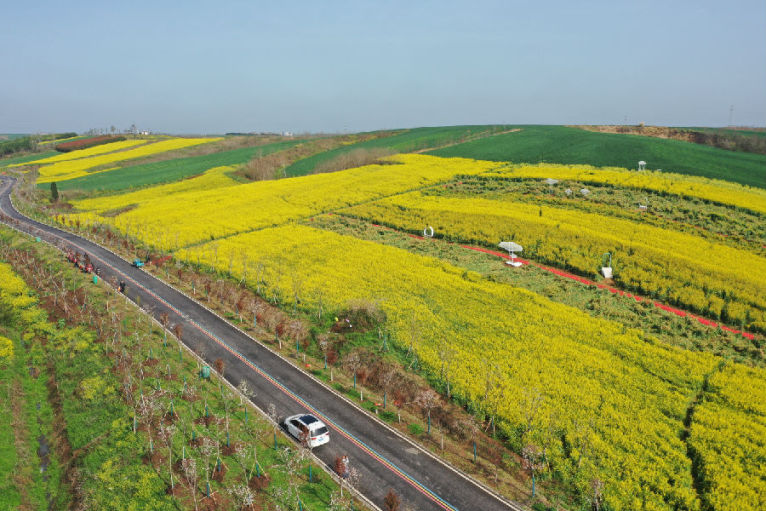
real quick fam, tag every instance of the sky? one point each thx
(345, 66)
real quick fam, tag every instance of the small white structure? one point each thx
(428, 232)
(584, 191)
(568, 191)
(644, 207)
(642, 165)
(606, 271)
(512, 248)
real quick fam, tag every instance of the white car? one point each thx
(307, 428)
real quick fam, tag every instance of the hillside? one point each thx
(405, 141)
(559, 144)
(609, 372)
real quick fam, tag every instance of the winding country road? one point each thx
(383, 458)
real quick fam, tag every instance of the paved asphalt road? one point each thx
(384, 459)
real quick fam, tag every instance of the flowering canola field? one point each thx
(634, 391)
(215, 178)
(72, 168)
(87, 153)
(698, 274)
(734, 470)
(616, 399)
(714, 190)
(203, 214)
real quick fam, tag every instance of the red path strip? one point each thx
(614, 290)
(589, 282)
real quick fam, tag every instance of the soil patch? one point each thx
(218, 475)
(207, 421)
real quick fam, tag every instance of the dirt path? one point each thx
(469, 139)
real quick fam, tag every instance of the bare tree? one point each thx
(413, 329)
(471, 427)
(207, 448)
(427, 399)
(166, 434)
(292, 461)
(597, 485)
(274, 421)
(242, 496)
(533, 400)
(297, 285)
(533, 462)
(323, 342)
(189, 466)
(340, 501)
(388, 377)
(354, 361)
(319, 294)
(446, 356)
(392, 501)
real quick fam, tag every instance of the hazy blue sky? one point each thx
(206, 67)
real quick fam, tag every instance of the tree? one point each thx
(413, 329)
(392, 501)
(54, 192)
(354, 360)
(274, 416)
(494, 391)
(166, 434)
(207, 448)
(388, 377)
(242, 496)
(189, 466)
(533, 400)
(323, 342)
(471, 426)
(427, 399)
(292, 461)
(597, 485)
(340, 501)
(533, 461)
(446, 356)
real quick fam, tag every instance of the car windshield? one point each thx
(320, 431)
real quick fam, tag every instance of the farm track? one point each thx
(383, 458)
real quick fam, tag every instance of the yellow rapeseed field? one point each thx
(614, 397)
(728, 439)
(214, 178)
(70, 169)
(723, 192)
(87, 153)
(502, 347)
(203, 214)
(683, 268)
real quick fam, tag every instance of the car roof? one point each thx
(308, 419)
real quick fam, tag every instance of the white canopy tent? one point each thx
(512, 248)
